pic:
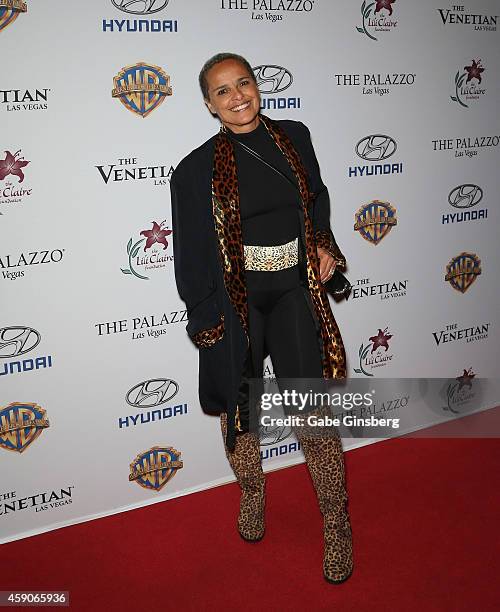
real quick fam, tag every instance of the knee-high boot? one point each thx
(325, 461)
(246, 464)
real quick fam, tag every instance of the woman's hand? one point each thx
(326, 265)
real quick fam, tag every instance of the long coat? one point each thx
(208, 260)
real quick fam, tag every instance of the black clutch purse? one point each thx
(337, 285)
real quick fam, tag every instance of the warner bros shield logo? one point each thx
(463, 270)
(375, 220)
(155, 467)
(10, 11)
(20, 425)
(141, 88)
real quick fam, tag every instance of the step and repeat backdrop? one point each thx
(99, 101)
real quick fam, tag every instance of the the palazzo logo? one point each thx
(13, 266)
(469, 90)
(377, 17)
(375, 220)
(141, 8)
(13, 165)
(142, 326)
(10, 11)
(273, 80)
(463, 270)
(154, 241)
(16, 341)
(375, 148)
(20, 425)
(456, 15)
(469, 146)
(464, 197)
(141, 88)
(375, 354)
(269, 10)
(376, 82)
(155, 467)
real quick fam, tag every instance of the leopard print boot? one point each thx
(247, 467)
(325, 461)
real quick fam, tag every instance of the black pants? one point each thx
(280, 324)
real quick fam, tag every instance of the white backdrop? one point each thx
(81, 332)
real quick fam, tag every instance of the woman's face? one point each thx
(233, 96)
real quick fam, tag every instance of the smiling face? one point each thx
(233, 96)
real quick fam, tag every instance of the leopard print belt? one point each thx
(271, 258)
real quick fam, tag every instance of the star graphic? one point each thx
(156, 234)
(465, 379)
(381, 339)
(384, 4)
(12, 164)
(474, 71)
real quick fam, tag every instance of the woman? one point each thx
(252, 247)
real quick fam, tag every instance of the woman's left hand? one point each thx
(326, 265)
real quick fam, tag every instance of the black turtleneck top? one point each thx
(268, 203)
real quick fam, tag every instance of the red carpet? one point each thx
(425, 523)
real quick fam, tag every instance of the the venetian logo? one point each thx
(463, 270)
(376, 352)
(470, 90)
(154, 241)
(141, 88)
(379, 21)
(155, 467)
(20, 425)
(10, 11)
(375, 220)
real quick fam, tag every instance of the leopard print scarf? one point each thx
(226, 213)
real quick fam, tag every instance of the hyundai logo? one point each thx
(272, 79)
(151, 393)
(15, 341)
(376, 147)
(465, 196)
(272, 434)
(140, 7)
